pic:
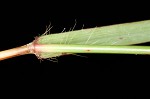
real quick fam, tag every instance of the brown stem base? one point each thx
(18, 51)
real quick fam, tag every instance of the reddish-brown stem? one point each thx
(18, 51)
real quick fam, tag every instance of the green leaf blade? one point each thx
(120, 34)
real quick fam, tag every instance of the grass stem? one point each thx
(18, 51)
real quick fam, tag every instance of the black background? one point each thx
(21, 23)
